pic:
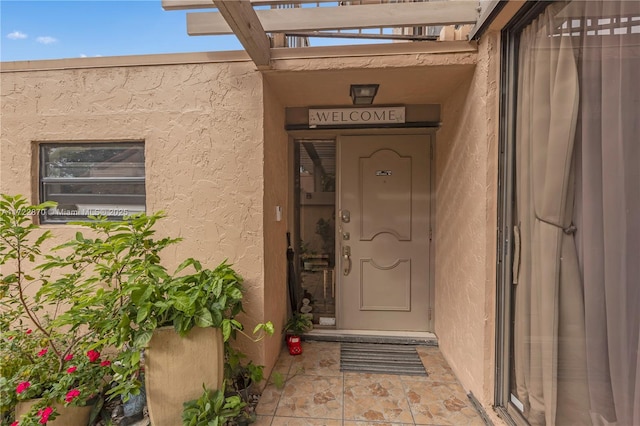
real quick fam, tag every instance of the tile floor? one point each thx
(316, 392)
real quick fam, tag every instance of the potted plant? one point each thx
(107, 269)
(212, 408)
(60, 393)
(135, 304)
(239, 375)
(294, 328)
(45, 367)
(117, 294)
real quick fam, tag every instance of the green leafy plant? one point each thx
(279, 380)
(298, 324)
(40, 357)
(127, 293)
(328, 182)
(325, 228)
(212, 408)
(239, 375)
(115, 275)
(110, 289)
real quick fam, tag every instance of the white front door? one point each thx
(383, 232)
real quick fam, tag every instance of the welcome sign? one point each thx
(349, 116)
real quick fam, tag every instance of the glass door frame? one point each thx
(297, 146)
(510, 37)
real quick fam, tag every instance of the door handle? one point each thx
(346, 260)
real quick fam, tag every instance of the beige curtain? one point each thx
(608, 209)
(549, 331)
(577, 297)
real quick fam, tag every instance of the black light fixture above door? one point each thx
(363, 94)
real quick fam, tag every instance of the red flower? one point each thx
(29, 331)
(72, 369)
(68, 357)
(44, 415)
(73, 393)
(43, 352)
(22, 386)
(14, 424)
(93, 355)
(105, 363)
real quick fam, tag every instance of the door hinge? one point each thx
(430, 311)
(430, 234)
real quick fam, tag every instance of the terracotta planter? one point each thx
(176, 367)
(67, 416)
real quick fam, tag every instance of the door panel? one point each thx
(373, 279)
(381, 194)
(384, 232)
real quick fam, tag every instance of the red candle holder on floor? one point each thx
(294, 344)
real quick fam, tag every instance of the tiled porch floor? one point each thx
(316, 392)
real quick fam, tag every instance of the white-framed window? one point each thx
(92, 179)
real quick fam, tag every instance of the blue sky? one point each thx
(53, 29)
(49, 29)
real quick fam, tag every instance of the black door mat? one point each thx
(380, 358)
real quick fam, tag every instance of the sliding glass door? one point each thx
(571, 216)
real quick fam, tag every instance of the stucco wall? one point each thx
(276, 181)
(217, 163)
(466, 176)
(203, 130)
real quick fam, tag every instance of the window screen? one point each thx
(91, 179)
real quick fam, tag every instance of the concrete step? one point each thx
(368, 336)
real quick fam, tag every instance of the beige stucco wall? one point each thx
(466, 178)
(217, 162)
(276, 183)
(202, 124)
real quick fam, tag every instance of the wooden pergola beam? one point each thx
(343, 17)
(207, 4)
(242, 20)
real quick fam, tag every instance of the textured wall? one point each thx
(491, 49)
(217, 163)
(203, 130)
(276, 183)
(466, 162)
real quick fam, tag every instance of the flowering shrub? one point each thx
(107, 289)
(39, 358)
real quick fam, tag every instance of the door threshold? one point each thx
(373, 336)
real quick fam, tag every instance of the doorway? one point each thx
(363, 231)
(383, 232)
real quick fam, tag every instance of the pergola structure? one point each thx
(259, 24)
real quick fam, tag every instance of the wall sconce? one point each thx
(363, 94)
